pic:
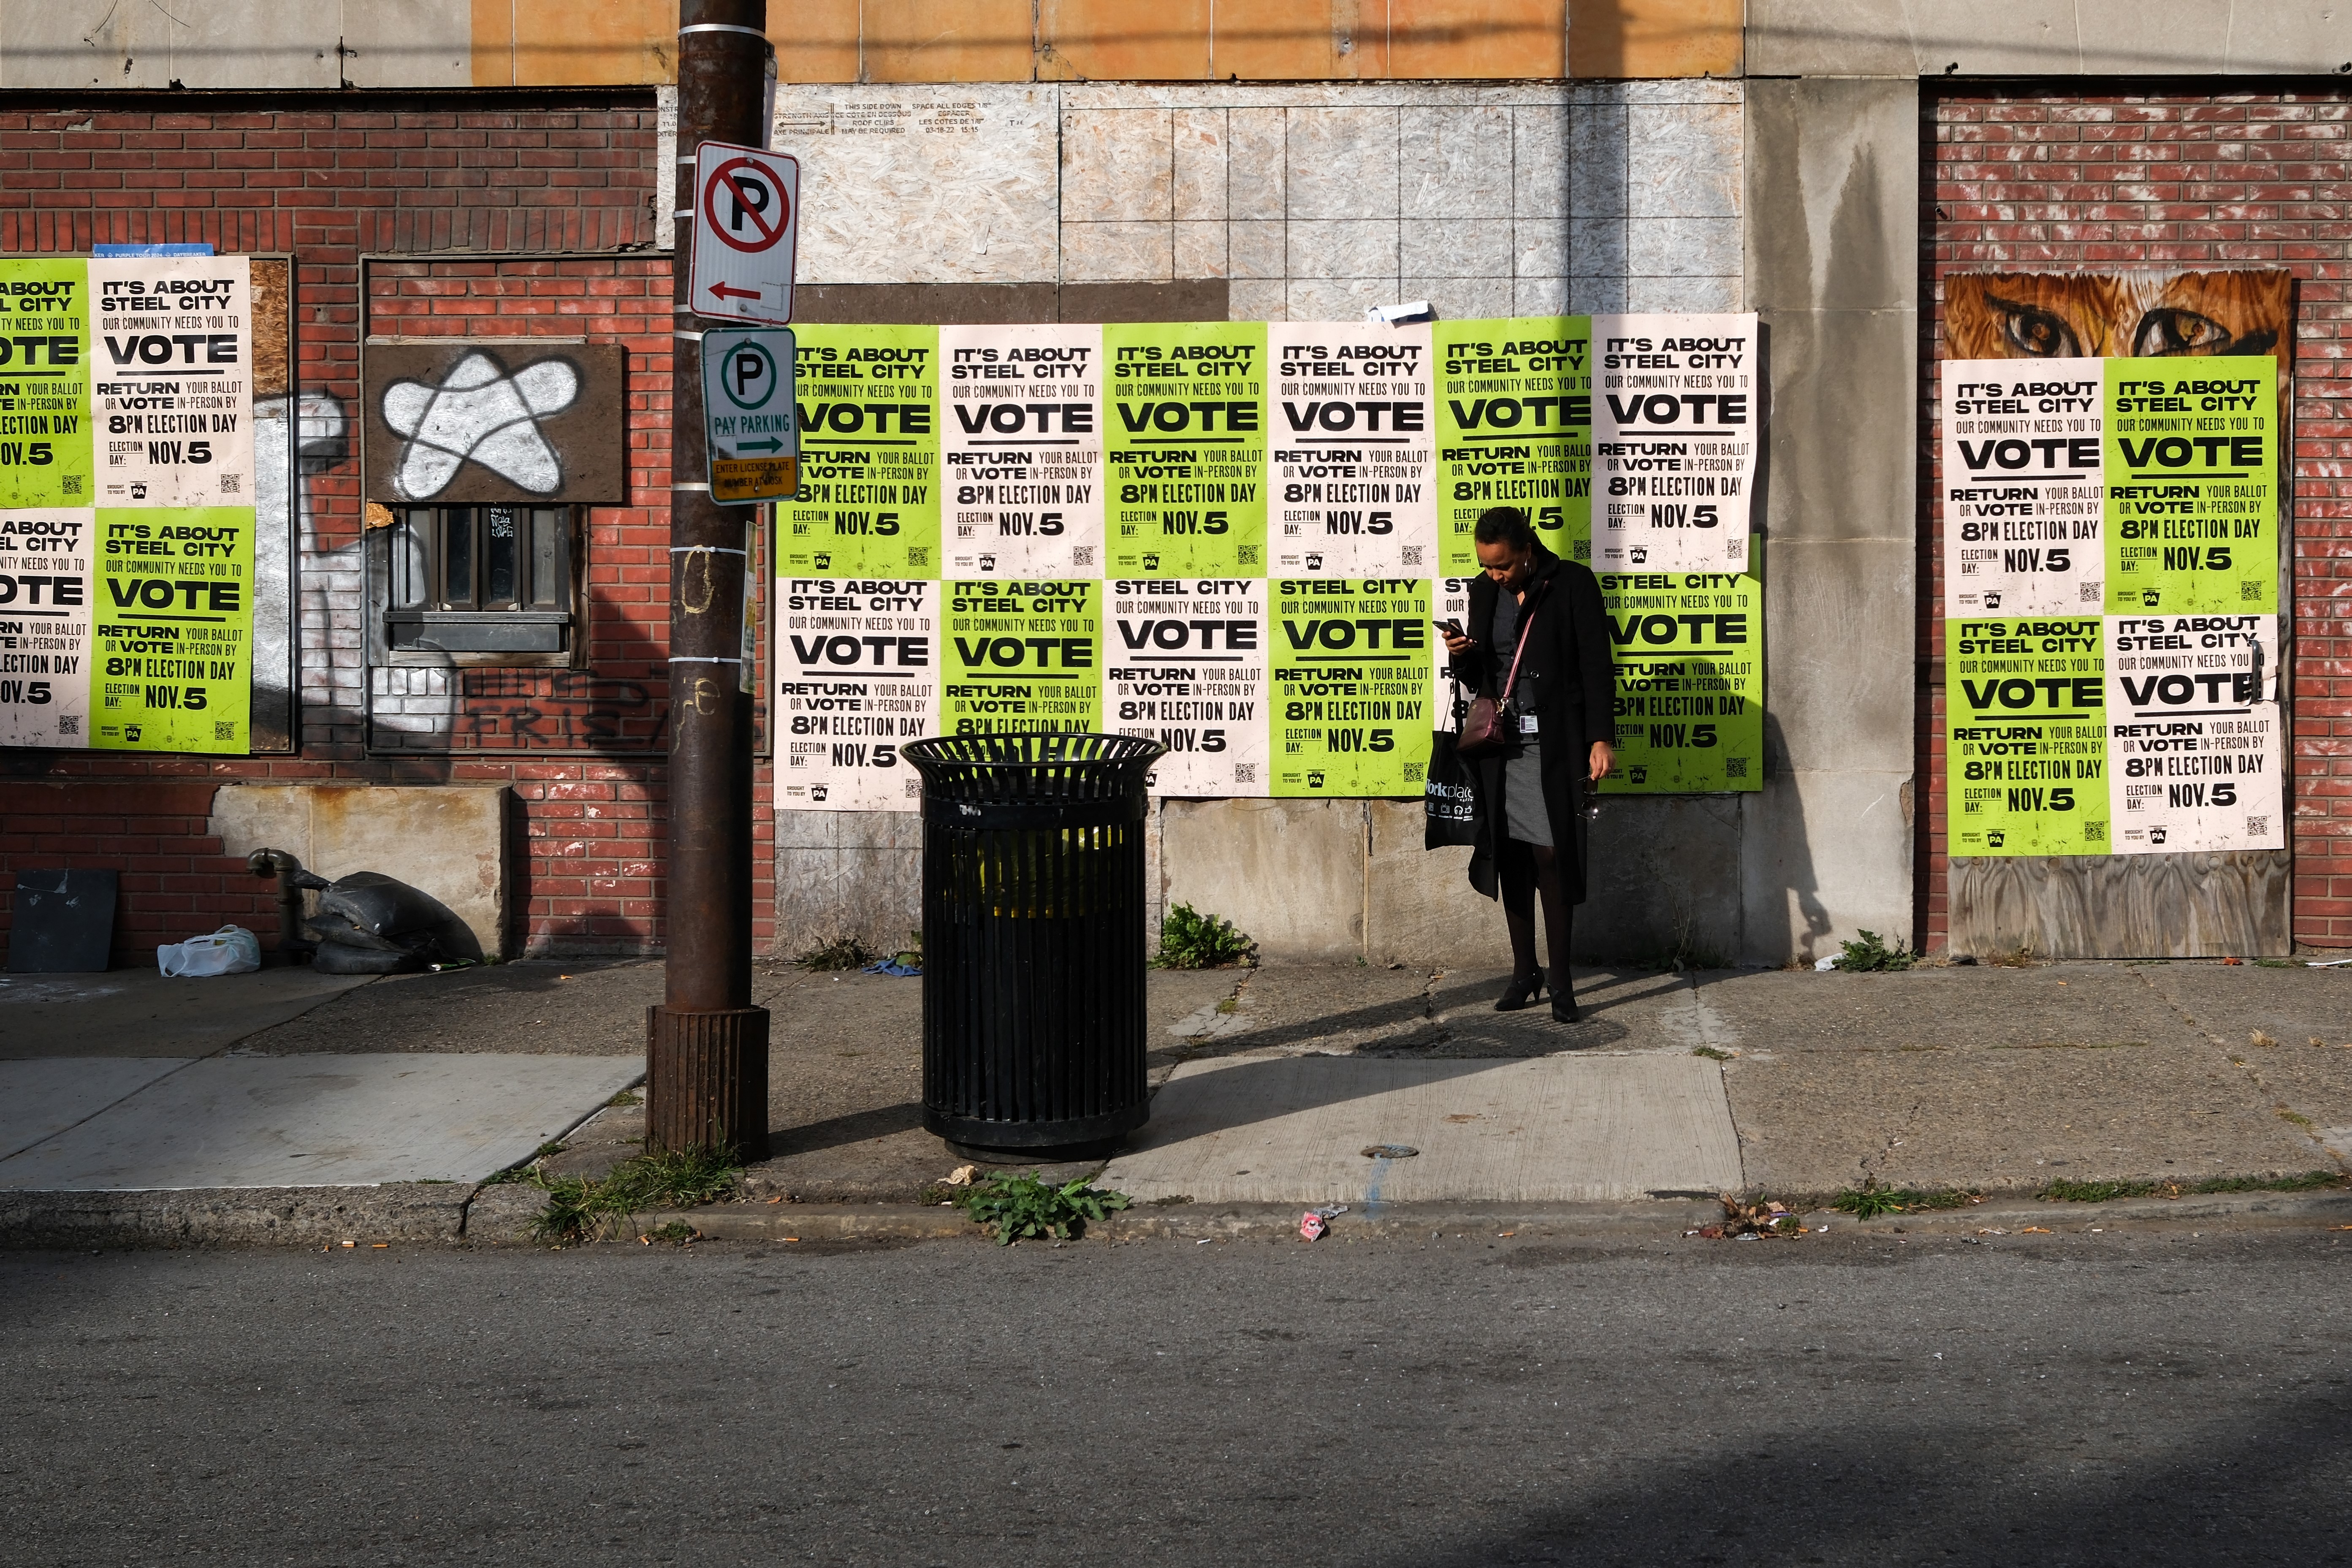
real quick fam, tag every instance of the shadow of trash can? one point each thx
(1033, 942)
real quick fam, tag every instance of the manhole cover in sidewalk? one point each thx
(1390, 1151)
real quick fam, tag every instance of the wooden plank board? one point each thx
(2219, 904)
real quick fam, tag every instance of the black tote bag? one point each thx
(1449, 802)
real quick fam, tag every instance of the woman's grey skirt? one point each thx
(1524, 816)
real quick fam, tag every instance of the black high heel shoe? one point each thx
(1563, 1008)
(1520, 993)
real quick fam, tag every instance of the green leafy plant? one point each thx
(1870, 952)
(1870, 1199)
(1190, 940)
(583, 1208)
(1016, 1208)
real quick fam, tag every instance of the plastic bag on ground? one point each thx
(232, 949)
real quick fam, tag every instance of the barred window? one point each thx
(480, 580)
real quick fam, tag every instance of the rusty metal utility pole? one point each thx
(706, 1044)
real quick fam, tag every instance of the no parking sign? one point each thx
(747, 210)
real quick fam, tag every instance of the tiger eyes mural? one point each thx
(2119, 315)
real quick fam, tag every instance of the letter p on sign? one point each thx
(747, 215)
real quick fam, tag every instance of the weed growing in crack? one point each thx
(1016, 1208)
(1870, 1199)
(841, 953)
(1190, 940)
(587, 1209)
(1870, 955)
(2063, 1192)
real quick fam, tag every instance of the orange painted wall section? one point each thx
(1655, 39)
(576, 42)
(562, 43)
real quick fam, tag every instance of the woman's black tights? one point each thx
(1526, 870)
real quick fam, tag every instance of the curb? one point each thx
(265, 1216)
(501, 1215)
(2245, 1209)
(1200, 1222)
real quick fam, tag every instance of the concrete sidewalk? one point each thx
(1270, 1083)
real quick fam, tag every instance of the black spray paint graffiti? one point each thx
(536, 708)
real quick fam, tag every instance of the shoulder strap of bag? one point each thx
(1527, 625)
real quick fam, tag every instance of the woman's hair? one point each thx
(1506, 525)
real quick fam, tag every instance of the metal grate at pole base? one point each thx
(706, 1086)
(1032, 942)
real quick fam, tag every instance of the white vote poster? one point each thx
(2022, 495)
(172, 379)
(48, 575)
(857, 670)
(1022, 444)
(1352, 476)
(1676, 413)
(2195, 752)
(1185, 664)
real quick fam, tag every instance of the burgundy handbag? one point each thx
(1490, 727)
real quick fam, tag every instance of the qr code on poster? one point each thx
(232, 484)
(2257, 825)
(1735, 767)
(1082, 555)
(2090, 592)
(224, 729)
(69, 723)
(71, 485)
(1245, 773)
(1412, 554)
(2250, 590)
(914, 788)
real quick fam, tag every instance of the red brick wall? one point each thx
(2064, 178)
(366, 177)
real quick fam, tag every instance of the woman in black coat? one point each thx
(1531, 797)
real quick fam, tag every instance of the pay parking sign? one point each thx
(750, 434)
(747, 210)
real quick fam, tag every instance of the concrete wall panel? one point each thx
(408, 43)
(448, 841)
(2044, 37)
(1839, 621)
(1288, 872)
(1822, 856)
(1832, 267)
(208, 44)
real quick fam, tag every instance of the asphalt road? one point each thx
(2103, 1399)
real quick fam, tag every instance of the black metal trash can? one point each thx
(1032, 942)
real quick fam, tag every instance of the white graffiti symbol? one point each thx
(482, 413)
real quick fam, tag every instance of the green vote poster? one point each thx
(2025, 736)
(1353, 684)
(2192, 473)
(1515, 428)
(45, 459)
(1021, 657)
(1690, 681)
(1187, 451)
(171, 665)
(869, 503)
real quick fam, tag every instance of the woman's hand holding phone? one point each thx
(1456, 643)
